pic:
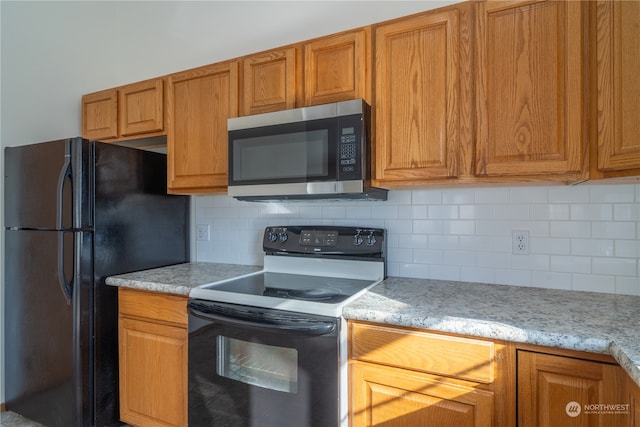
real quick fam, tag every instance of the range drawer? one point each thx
(459, 357)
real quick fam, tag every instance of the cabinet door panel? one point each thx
(200, 101)
(553, 390)
(269, 81)
(391, 397)
(153, 373)
(529, 88)
(141, 107)
(634, 401)
(417, 98)
(618, 86)
(337, 68)
(100, 115)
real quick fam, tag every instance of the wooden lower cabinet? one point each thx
(633, 395)
(384, 396)
(415, 377)
(561, 391)
(410, 377)
(152, 331)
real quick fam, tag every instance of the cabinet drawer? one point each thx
(153, 305)
(422, 351)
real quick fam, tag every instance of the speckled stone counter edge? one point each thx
(584, 321)
(554, 318)
(181, 278)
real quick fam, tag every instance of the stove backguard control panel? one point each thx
(365, 242)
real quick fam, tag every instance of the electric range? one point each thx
(307, 269)
(276, 338)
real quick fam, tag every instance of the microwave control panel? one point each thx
(350, 147)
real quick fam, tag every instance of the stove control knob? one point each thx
(283, 236)
(371, 239)
(357, 239)
(272, 236)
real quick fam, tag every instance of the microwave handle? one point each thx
(262, 319)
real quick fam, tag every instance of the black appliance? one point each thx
(316, 152)
(76, 212)
(269, 349)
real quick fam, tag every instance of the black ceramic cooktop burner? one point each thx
(295, 286)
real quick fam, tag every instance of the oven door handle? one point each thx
(263, 319)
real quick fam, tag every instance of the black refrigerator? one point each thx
(77, 211)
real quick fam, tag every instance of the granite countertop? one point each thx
(587, 321)
(180, 278)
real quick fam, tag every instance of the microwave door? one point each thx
(292, 153)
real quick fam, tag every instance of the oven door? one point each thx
(250, 366)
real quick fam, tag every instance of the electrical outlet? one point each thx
(520, 242)
(202, 232)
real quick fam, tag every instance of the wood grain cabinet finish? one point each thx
(270, 81)
(131, 111)
(100, 115)
(389, 397)
(553, 391)
(633, 393)
(406, 377)
(141, 108)
(530, 86)
(418, 98)
(199, 103)
(152, 331)
(617, 59)
(338, 68)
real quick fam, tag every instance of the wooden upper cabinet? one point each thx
(100, 115)
(417, 98)
(618, 87)
(141, 107)
(135, 110)
(338, 68)
(199, 102)
(270, 81)
(529, 98)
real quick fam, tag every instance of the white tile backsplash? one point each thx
(584, 237)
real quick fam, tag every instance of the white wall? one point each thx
(52, 52)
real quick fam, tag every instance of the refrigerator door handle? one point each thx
(65, 174)
(66, 286)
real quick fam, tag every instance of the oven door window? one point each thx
(267, 366)
(293, 152)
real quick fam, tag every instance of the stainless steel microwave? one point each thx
(318, 152)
